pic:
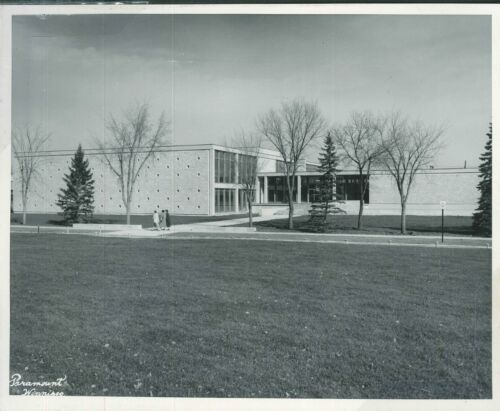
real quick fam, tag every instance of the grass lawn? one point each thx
(379, 224)
(222, 318)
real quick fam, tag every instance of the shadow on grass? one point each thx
(15, 220)
(59, 222)
(91, 221)
(145, 220)
(347, 224)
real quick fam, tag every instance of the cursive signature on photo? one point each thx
(38, 387)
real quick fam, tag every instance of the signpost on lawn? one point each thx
(443, 205)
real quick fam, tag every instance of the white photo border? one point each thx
(76, 403)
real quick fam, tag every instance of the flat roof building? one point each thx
(205, 180)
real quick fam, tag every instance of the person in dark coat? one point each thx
(163, 220)
(167, 219)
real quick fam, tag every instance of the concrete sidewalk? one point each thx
(120, 231)
(181, 228)
(354, 239)
(217, 226)
(239, 221)
(218, 232)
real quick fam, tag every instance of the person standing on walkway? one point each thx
(163, 220)
(156, 220)
(167, 219)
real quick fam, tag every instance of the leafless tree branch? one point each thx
(291, 129)
(249, 162)
(359, 141)
(133, 141)
(408, 148)
(26, 145)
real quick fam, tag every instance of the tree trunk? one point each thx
(290, 214)
(24, 213)
(403, 216)
(361, 201)
(325, 215)
(250, 218)
(128, 213)
(360, 214)
(290, 201)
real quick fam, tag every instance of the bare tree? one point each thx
(134, 141)
(360, 142)
(407, 149)
(290, 130)
(26, 145)
(248, 166)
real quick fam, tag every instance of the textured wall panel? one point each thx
(176, 180)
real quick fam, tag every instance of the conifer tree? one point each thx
(77, 199)
(328, 202)
(482, 216)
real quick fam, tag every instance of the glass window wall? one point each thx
(247, 168)
(348, 188)
(278, 191)
(225, 200)
(225, 167)
(242, 199)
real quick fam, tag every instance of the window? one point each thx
(348, 188)
(242, 199)
(217, 166)
(224, 200)
(278, 191)
(226, 176)
(232, 167)
(310, 190)
(247, 168)
(225, 167)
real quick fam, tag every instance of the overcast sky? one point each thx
(213, 75)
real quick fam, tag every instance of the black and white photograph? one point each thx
(249, 205)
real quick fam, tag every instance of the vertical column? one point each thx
(265, 190)
(236, 169)
(237, 182)
(211, 181)
(299, 189)
(258, 198)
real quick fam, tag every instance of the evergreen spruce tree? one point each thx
(482, 216)
(328, 202)
(77, 199)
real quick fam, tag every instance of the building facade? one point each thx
(455, 186)
(207, 180)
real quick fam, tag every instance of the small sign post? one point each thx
(443, 205)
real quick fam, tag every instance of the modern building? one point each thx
(206, 180)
